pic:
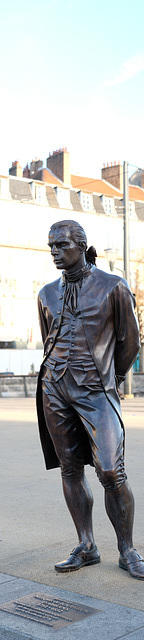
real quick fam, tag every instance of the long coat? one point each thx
(111, 329)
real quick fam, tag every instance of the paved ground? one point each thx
(36, 531)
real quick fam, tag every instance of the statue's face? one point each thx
(65, 252)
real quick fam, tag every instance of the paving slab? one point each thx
(102, 620)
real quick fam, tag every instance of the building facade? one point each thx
(28, 207)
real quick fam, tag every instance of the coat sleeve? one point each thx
(42, 320)
(126, 329)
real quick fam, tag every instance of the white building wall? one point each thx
(26, 265)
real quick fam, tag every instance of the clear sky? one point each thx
(72, 74)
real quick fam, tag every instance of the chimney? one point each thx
(26, 172)
(59, 164)
(15, 169)
(35, 165)
(113, 173)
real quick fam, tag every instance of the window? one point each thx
(39, 193)
(108, 204)
(33, 188)
(132, 210)
(86, 201)
(63, 197)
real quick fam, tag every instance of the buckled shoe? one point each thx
(132, 562)
(79, 557)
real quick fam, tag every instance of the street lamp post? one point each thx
(128, 380)
(111, 255)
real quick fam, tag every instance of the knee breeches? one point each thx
(69, 409)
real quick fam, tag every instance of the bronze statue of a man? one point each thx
(90, 335)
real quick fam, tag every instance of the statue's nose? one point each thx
(54, 249)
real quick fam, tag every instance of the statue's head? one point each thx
(68, 243)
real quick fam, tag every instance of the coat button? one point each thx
(59, 312)
(61, 297)
(51, 339)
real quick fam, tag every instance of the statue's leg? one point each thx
(119, 505)
(79, 500)
(66, 432)
(120, 509)
(109, 464)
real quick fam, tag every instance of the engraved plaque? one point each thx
(54, 612)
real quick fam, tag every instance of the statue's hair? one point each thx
(77, 232)
(78, 235)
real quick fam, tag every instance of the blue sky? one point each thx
(72, 74)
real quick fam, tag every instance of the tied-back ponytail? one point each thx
(91, 255)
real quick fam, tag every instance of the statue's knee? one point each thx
(73, 469)
(111, 478)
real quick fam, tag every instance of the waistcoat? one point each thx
(71, 350)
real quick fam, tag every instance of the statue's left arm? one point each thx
(42, 319)
(126, 329)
